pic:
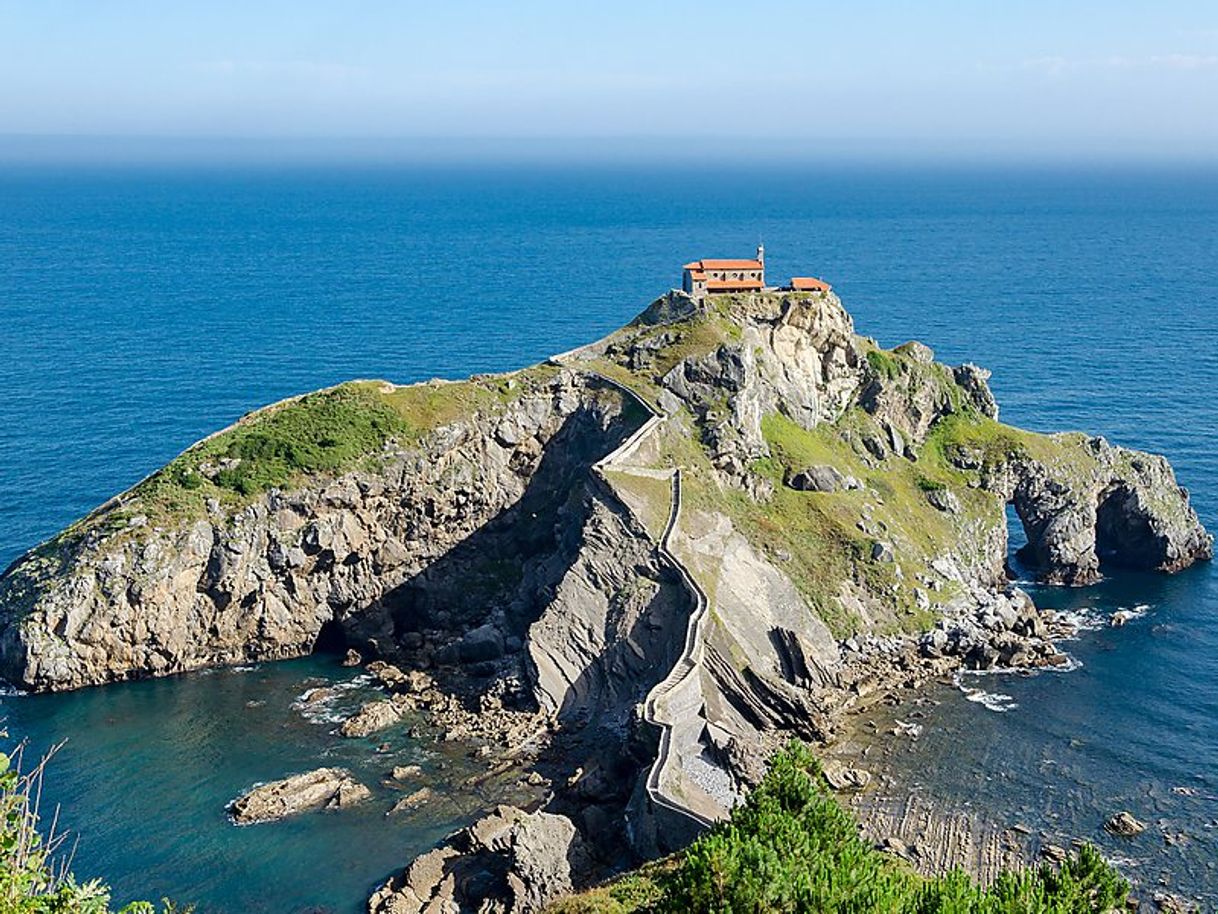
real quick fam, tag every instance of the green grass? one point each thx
(691, 338)
(792, 849)
(830, 554)
(884, 364)
(286, 445)
(821, 530)
(636, 891)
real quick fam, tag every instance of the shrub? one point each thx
(791, 849)
(34, 878)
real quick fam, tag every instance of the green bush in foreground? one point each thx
(791, 848)
(31, 879)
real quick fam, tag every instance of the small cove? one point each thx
(148, 768)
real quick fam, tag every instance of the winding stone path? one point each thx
(677, 698)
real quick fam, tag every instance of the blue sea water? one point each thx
(143, 308)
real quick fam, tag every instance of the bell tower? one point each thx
(761, 260)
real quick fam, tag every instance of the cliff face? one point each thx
(706, 531)
(368, 551)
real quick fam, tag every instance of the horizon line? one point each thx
(139, 149)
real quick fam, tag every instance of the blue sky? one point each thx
(1016, 78)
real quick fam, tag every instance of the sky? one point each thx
(1005, 78)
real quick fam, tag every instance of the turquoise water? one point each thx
(143, 309)
(149, 767)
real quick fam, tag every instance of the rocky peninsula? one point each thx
(630, 571)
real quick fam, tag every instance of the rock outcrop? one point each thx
(509, 861)
(356, 551)
(325, 788)
(371, 718)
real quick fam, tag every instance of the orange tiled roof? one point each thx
(733, 285)
(696, 274)
(731, 264)
(809, 284)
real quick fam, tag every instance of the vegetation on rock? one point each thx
(792, 848)
(290, 443)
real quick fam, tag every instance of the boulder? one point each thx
(387, 674)
(481, 644)
(842, 777)
(1124, 825)
(325, 788)
(944, 499)
(916, 351)
(371, 718)
(1054, 854)
(508, 861)
(817, 478)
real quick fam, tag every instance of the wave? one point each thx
(330, 706)
(1123, 615)
(991, 701)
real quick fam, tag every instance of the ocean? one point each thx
(145, 308)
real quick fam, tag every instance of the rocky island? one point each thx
(632, 571)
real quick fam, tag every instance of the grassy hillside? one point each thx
(315, 435)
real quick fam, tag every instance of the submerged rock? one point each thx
(325, 788)
(412, 800)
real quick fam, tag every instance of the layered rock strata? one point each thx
(325, 788)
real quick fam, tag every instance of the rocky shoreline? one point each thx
(626, 575)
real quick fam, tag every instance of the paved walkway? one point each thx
(677, 699)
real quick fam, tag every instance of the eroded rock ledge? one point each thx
(842, 510)
(325, 788)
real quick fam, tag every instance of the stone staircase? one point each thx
(674, 705)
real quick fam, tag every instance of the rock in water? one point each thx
(509, 861)
(841, 777)
(412, 801)
(325, 788)
(1124, 825)
(372, 717)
